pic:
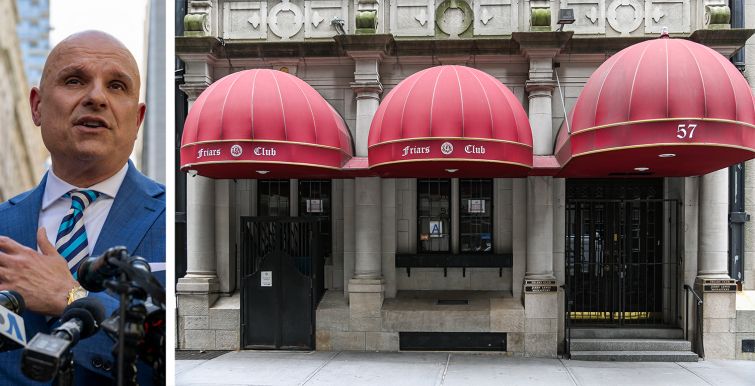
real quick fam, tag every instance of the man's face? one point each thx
(88, 102)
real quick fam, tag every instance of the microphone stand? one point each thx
(64, 377)
(132, 314)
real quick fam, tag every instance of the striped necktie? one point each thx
(71, 242)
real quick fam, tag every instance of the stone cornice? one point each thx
(545, 43)
(380, 43)
(542, 44)
(726, 41)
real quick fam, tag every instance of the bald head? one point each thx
(90, 42)
(87, 106)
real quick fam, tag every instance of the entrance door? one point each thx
(279, 275)
(620, 265)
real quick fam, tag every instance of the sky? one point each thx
(123, 19)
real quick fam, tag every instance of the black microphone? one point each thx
(46, 354)
(12, 332)
(12, 301)
(95, 270)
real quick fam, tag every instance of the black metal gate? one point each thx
(282, 282)
(622, 259)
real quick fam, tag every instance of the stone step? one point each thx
(635, 356)
(627, 333)
(630, 345)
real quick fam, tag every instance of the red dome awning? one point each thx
(450, 121)
(264, 124)
(664, 107)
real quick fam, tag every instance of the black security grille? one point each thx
(273, 198)
(476, 216)
(622, 259)
(434, 215)
(314, 201)
(282, 281)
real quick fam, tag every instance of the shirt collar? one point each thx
(55, 188)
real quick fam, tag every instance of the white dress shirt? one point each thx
(55, 206)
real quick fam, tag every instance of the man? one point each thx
(91, 199)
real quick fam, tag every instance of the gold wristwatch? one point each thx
(76, 293)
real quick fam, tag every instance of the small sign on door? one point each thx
(436, 228)
(266, 279)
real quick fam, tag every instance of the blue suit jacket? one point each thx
(137, 221)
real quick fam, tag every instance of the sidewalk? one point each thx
(415, 369)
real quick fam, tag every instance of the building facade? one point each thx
(481, 181)
(34, 35)
(22, 142)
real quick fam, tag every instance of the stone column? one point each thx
(717, 289)
(349, 243)
(198, 290)
(540, 290)
(388, 243)
(367, 88)
(540, 307)
(226, 218)
(540, 111)
(201, 271)
(367, 287)
(749, 271)
(540, 287)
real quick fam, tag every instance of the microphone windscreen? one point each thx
(89, 310)
(15, 299)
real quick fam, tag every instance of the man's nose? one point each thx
(95, 96)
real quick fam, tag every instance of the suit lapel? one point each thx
(27, 224)
(134, 210)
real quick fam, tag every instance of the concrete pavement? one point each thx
(434, 368)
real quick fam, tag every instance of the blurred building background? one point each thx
(21, 146)
(33, 30)
(30, 28)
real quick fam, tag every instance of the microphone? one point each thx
(46, 354)
(12, 329)
(94, 271)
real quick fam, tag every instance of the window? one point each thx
(476, 216)
(434, 215)
(273, 198)
(314, 201)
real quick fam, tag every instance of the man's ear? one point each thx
(34, 100)
(140, 116)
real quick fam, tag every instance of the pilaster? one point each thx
(717, 289)
(367, 51)
(540, 288)
(540, 48)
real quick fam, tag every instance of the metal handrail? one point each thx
(698, 345)
(567, 324)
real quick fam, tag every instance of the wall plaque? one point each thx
(719, 285)
(535, 286)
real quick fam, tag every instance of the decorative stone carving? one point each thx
(496, 17)
(540, 19)
(589, 16)
(673, 14)
(625, 16)
(366, 22)
(717, 17)
(197, 20)
(453, 18)
(285, 19)
(245, 20)
(318, 14)
(366, 16)
(410, 18)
